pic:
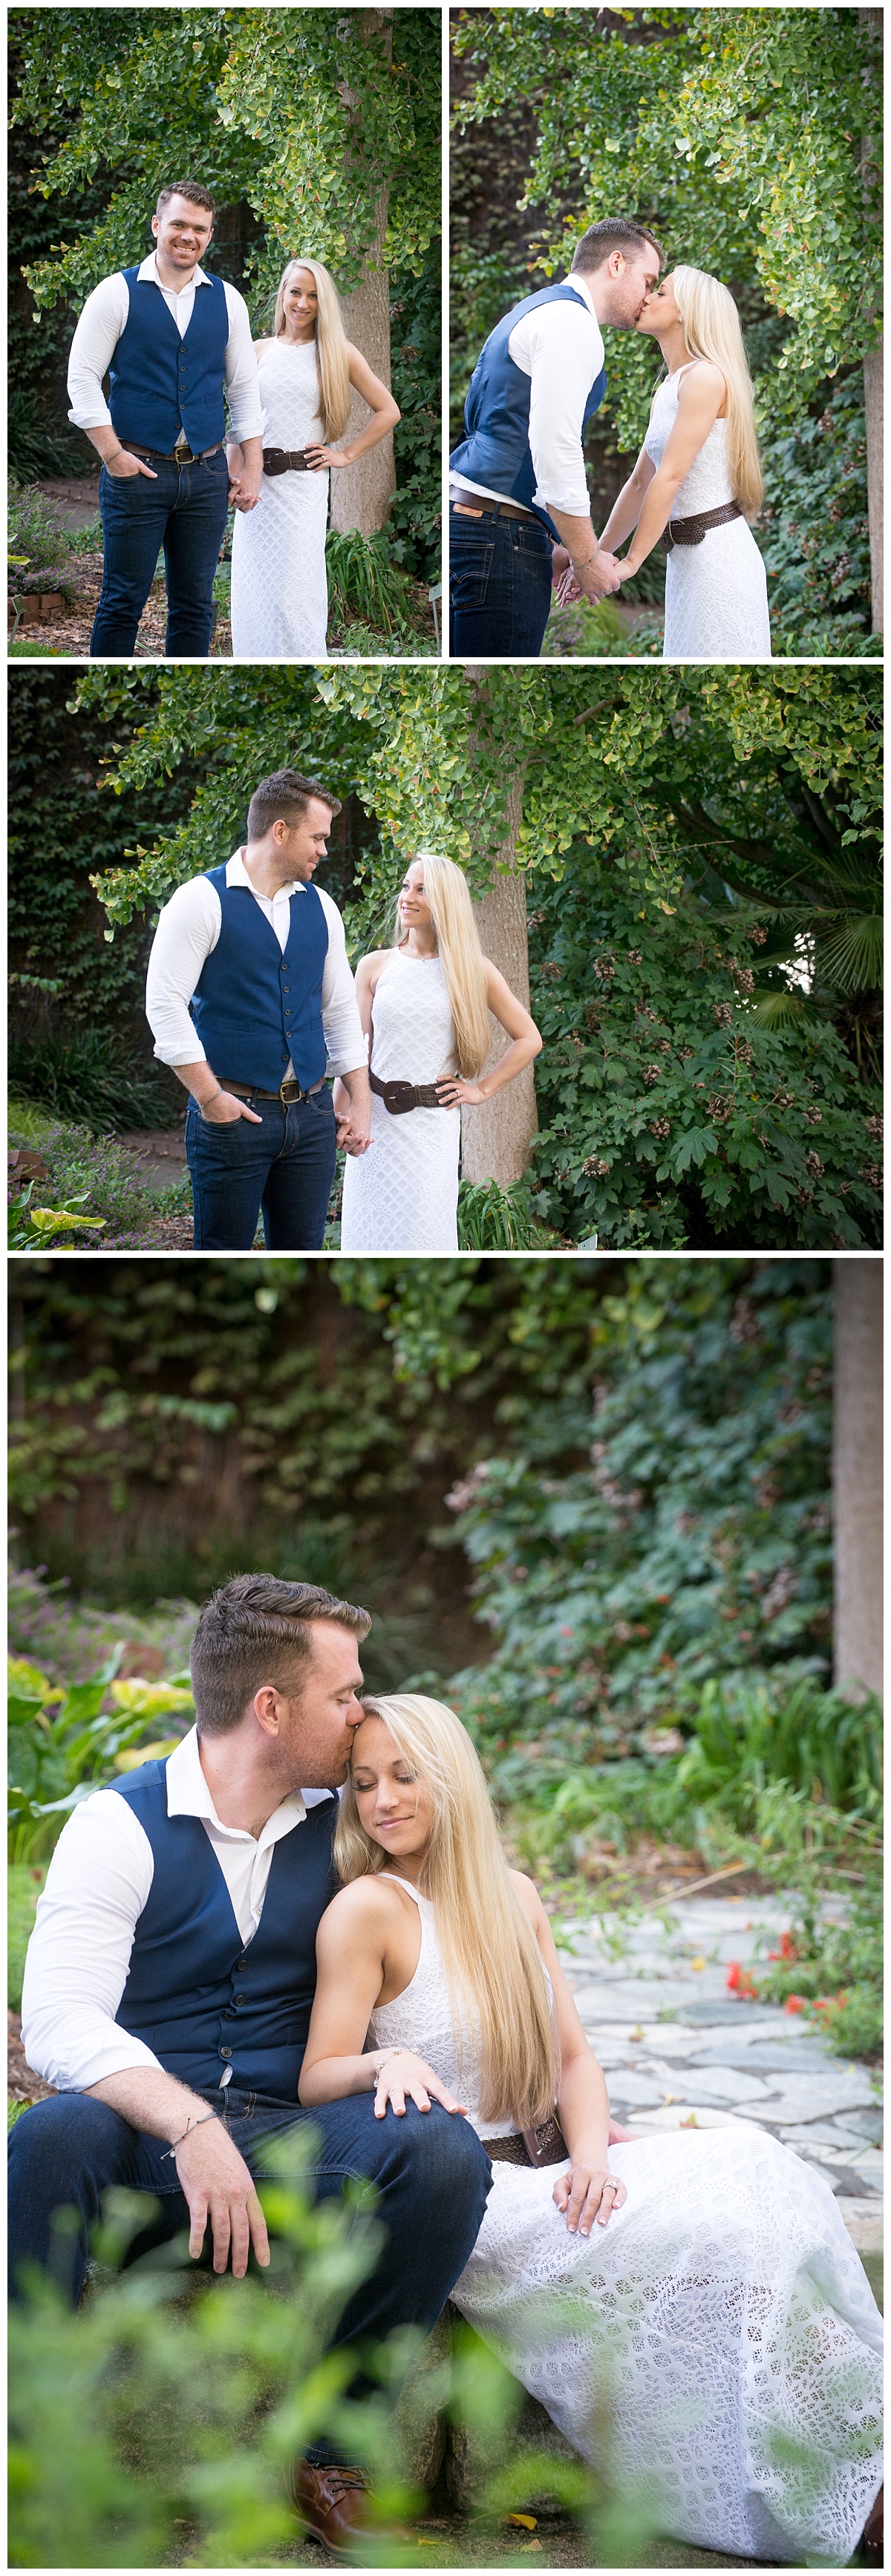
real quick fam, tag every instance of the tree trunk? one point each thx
(361, 494)
(857, 1475)
(872, 387)
(496, 1139)
(873, 395)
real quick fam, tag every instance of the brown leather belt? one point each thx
(289, 1092)
(477, 507)
(690, 532)
(545, 2145)
(397, 1097)
(286, 460)
(171, 455)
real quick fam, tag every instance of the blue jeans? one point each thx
(431, 2175)
(499, 586)
(286, 1167)
(185, 512)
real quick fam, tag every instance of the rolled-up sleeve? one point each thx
(561, 349)
(188, 929)
(242, 382)
(79, 1952)
(345, 1037)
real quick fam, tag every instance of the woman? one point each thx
(688, 2307)
(306, 373)
(698, 476)
(425, 1007)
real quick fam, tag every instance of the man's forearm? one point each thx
(105, 440)
(595, 571)
(359, 1088)
(151, 2101)
(199, 1079)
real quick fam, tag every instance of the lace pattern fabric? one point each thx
(714, 2351)
(402, 1196)
(715, 593)
(279, 582)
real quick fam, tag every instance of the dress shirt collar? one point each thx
(188, 1795)
(149, 268)
(237, 875)
(579, 285)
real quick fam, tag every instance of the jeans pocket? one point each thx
(470, 567)
(321, 1103)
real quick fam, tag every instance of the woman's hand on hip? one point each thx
(407, 2076)
(318, 457)
(452, 1092)
(587, 2192)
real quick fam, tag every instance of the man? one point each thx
(169, 1985)
(259, 953)
(169, 336)
(518, 488)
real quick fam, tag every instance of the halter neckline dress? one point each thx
(715, 593)
(279, 582)
(402, 1196)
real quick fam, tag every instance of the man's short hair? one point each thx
(613, 234)
(189, 188)
(282, 799)
(257, 1629)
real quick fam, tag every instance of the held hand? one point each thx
(244, 489)
(568, 590)
(588, 2192)
(318, 457)
(220, 2189)
(351, 1134)
(599, 577)
(225, 1108)
(407, 2074)
(452, 1091)
(560, 565)
(125, 466)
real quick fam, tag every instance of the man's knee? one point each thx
(442, 2157)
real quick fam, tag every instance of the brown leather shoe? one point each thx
(333, 2503)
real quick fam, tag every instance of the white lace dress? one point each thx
(714, 2350)
(279, 582)
(402, 1196)
(715, 593)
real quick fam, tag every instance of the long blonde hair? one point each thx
(332, 353)
(460, 955)
(490, 1953)
(712, 330)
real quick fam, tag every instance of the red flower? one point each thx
(740, 1982)
(787, 1949)
(794, 2003)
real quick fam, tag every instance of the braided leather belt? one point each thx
(285, 460)
(398, 1097)
(545, 2145)
(690, 532)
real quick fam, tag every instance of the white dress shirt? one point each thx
(188, 931)
(561, 348)
(96, 1888)
(102, 321)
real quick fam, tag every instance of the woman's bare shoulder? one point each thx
(369, 1901)
(528, 1895)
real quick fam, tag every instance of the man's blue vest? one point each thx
(496, 450)
(200, 1997)
(160, 384)
(255, 1004)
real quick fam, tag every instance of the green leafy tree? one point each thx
(315, 122)
(747, 142)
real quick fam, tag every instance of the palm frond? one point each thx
(852, 957)
(777, 1010)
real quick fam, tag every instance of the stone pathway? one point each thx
(676, 2047)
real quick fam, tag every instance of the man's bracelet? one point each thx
(589, 559)
(193, 2124)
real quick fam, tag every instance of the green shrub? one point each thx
(62, 1744)
(89, 1075)
(364, 576)
(38, 543)
(492, 1219)
(97, 1173)
(24, 1883)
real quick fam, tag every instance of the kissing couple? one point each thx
(250, 997)
(304, 1914)
(520, 516)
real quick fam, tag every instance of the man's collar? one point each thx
(580, 286)
(188, 1795)
(149, 268)
(238, 875)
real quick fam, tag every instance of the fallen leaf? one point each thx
(698, 1963)
(529, 2521)
(692, 2123)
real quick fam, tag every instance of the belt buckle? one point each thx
(399, 1097)
(289, 1086)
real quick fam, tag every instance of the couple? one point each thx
(688, 2307)
(170, 352)
(519, 516)
(249, 993)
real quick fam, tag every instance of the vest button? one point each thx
(228, 2016)
(225, 2052)
(241, 1999)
